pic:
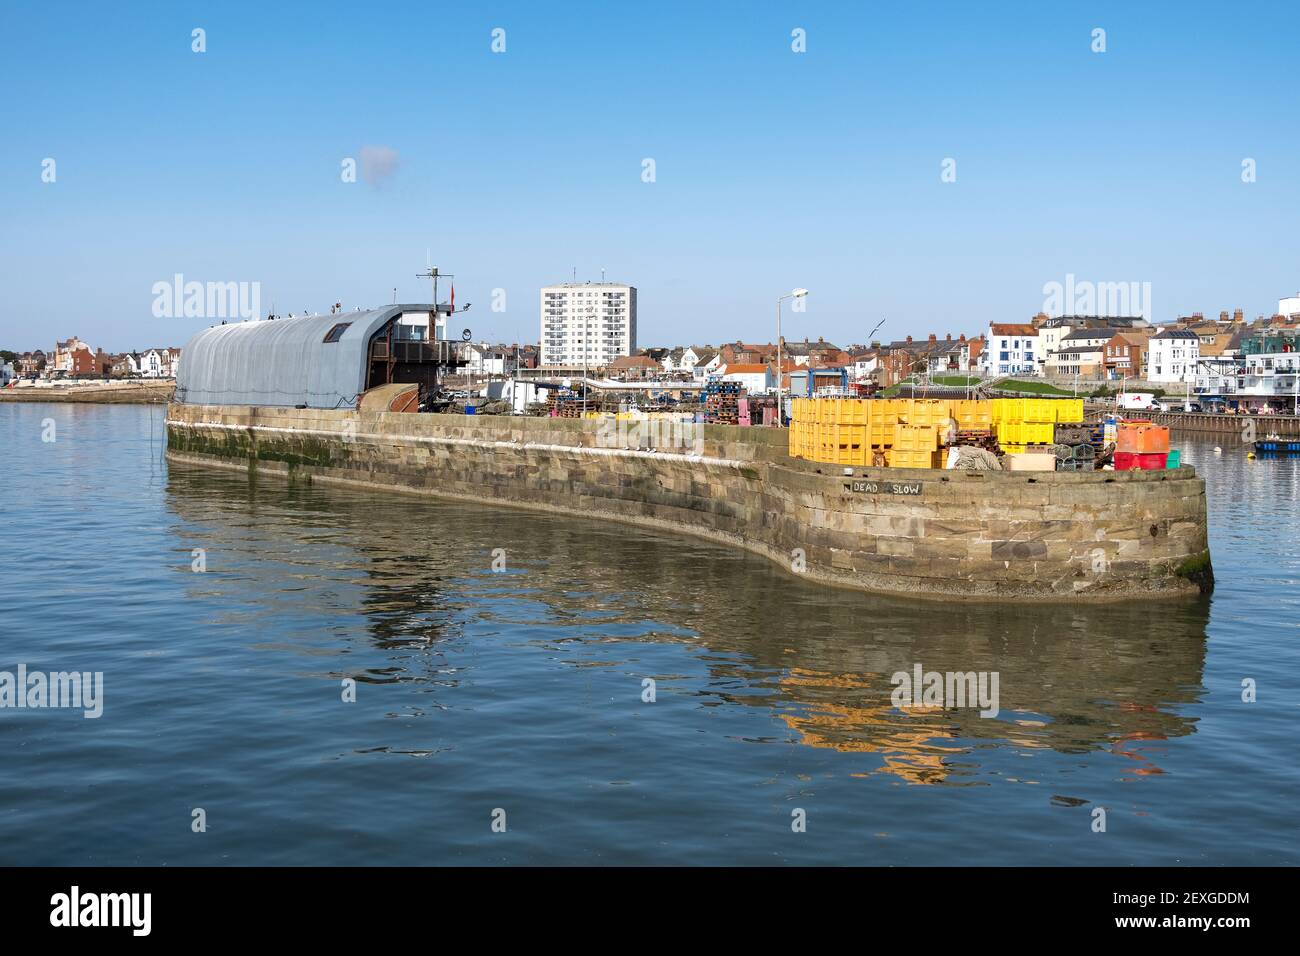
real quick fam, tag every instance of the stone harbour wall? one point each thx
(1044, 536)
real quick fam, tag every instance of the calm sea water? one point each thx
(521, 690)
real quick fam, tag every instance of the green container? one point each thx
(1174, 459)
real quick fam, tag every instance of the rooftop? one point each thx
(1100, 332)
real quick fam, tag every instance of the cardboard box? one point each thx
(1029, 461)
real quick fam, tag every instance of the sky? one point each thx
(773, 169)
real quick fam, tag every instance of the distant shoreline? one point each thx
(123, 393)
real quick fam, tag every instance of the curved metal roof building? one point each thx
(317, 361)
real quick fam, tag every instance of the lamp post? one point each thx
(780, 408)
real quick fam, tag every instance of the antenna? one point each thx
(432, 273)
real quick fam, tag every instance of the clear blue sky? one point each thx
(774, 169)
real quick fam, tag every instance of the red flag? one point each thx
(453, 297)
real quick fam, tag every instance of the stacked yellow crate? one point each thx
(924, 411)
(915, 445)
(1069, 410)
(973, 414)
(843, 444)
(1022, 422)
(882, 416)
(797, 431)
(915, 459)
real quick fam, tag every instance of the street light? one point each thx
(794, 294)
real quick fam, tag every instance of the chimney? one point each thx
(1238, 316)
(909, 339)
(933, 337)
(1223, 316)
(960, 338)
(949, 336)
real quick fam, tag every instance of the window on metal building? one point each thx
(336, 332)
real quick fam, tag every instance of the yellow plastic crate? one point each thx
(881, 413)
(915, 459)
(841, 444)
(1040, 410)
(924, 411)
(909, 437)
(850, 411)
(972, 414)
(1007, 409)
(1024, 433)
(1069, 410)
(1037, 433)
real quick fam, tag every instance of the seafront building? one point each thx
(1262, 373)
(1172, 356)
(1012, 349)
(587, 323)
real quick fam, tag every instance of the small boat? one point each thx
(1273, 445)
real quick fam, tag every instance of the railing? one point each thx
(439, 351)
(1285, 426)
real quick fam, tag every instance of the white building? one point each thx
(864, 364)
(706, 365)
(483, 359)
(152, 363)
(1173, 355)
(591, 322)
(752, 378)
(1263, 374)
(1012, 349)
(681, 360)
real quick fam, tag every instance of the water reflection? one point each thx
(413, 576)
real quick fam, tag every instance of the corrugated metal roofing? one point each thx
(282, 362)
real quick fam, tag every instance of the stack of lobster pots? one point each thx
(1074, 448)
(1141, 445)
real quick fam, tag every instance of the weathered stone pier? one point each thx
(1082, 536)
